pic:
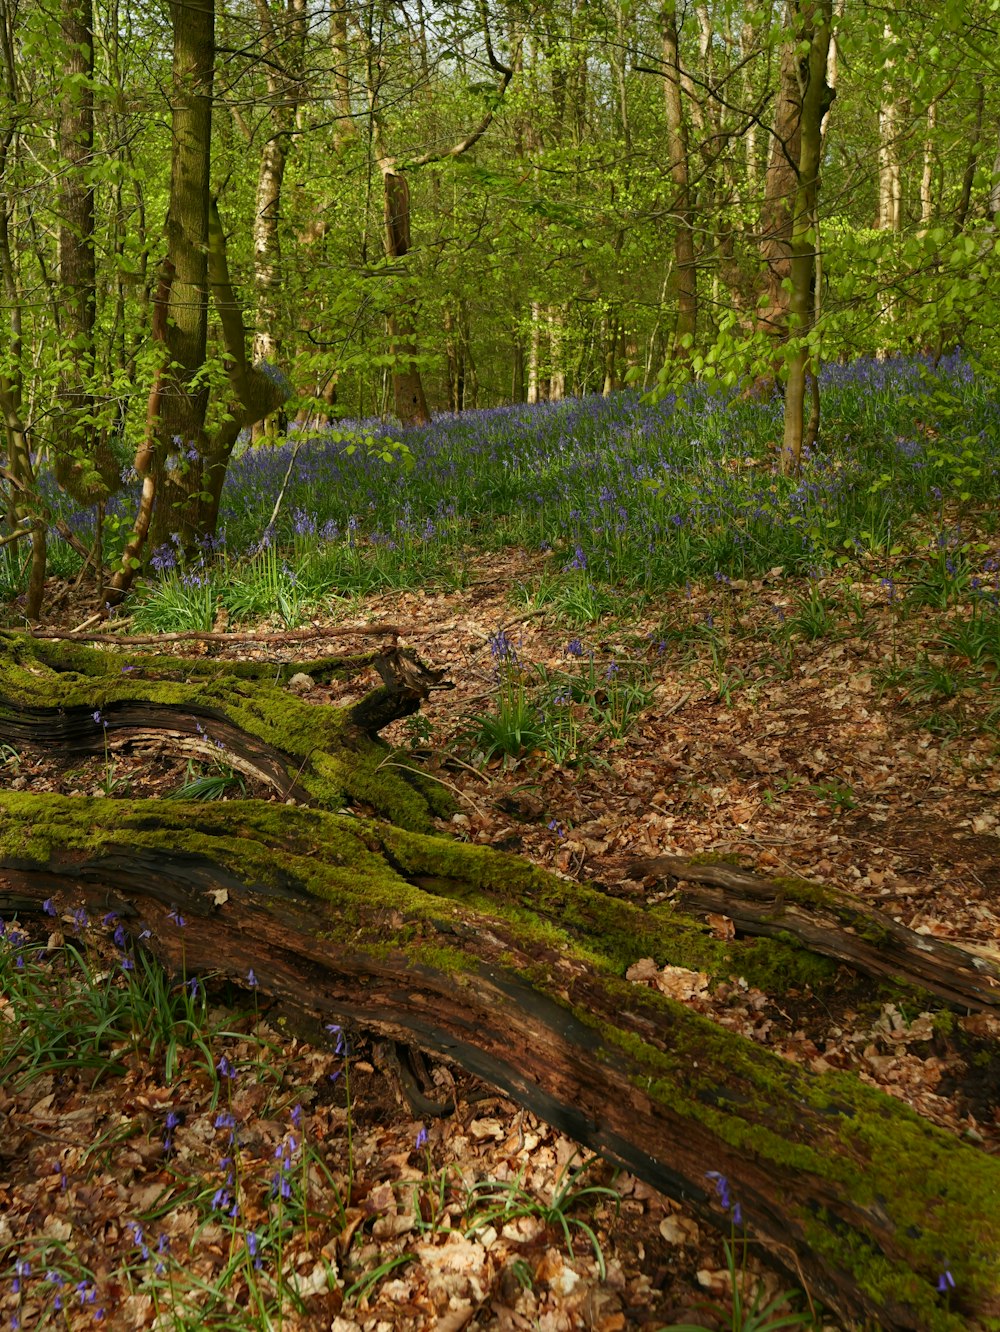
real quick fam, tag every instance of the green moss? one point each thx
(943, 1022)
(332, 761)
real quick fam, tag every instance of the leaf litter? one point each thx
(784, 755)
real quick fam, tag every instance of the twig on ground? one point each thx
(388, 763)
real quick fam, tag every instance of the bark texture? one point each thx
(686, 276)
(84, 464)
(283, 46)
(811, 52)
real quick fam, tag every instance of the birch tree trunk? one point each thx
(537, 384)
(748, 41)
(557, 332)
(890, 180)
(284, 50)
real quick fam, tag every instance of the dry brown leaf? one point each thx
(722, 927)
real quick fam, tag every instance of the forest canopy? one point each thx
(218, 221)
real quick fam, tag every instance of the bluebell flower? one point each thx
(721, 1184)
(336, 1030)
(502, 647)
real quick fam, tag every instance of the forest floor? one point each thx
(823, 729)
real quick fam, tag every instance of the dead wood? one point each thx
(835, 924)
(229, 638)
(78, 700)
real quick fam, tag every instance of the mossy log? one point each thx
(517, 975)
(60, 696)
(834, 924)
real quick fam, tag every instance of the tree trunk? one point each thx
(343, 129)
(284, 51)
(517, 393)
(557, 352)
(178, 458)
(927, 173)
(685, 271)
(780, 185)
(748, 44)
(26, 505)
(401, 323)
(527, 980)
(455, 351)
(816, 26)
(890, 180)
(88, 471)
(182, 467)
(407, 385)
(972, 158)
(610, 333)
(537, 384)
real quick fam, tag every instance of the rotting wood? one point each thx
(515, 974)
(79, 700)
(833, 923)
(229, 638)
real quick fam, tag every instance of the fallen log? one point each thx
(833, 923)
(515, 974)
(57, 696)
